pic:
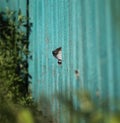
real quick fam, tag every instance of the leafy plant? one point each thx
(13, 55)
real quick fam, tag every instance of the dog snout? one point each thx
(54, 52)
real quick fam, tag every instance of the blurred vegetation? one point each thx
(84, 109)
(13, 56)
(14, 53)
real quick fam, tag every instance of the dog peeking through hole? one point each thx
(57, 53)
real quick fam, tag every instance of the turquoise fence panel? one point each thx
(14, 5)
(88, 32)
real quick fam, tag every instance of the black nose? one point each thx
(53, 52)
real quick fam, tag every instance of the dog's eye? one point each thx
(57, 53)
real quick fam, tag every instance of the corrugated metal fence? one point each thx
(88, 32)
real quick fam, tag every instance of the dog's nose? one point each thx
(53, 52)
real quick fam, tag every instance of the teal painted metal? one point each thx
(13, 5)
(87, 32)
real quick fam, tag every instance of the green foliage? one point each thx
(87, 110)
(42, 111)
(13, 65)
(24, 116)
(13, 55)
(7, 114)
